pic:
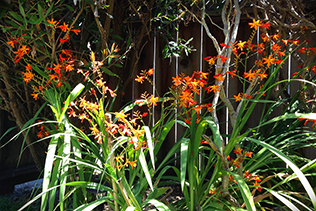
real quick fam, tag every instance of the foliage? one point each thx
(196, 160)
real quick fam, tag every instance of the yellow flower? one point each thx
(35, 95)
(269, 60)
(133, 163)
(153, 100)
(255, 24)
(238, 97)
(27, 76)
(120, 115)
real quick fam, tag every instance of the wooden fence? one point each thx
(165, 69)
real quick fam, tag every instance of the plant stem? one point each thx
(112, 163)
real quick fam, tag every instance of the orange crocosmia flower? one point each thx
(72, 113)
(276, 47)
(28, 67)
(177, 80)
(212, 191)
(58, 83)
(313, 49)
(12, 42)
(247, 96)
(153, 100)
(191, 102)
(144, 114)
(94, 129)
(64, 27)
(295, 42)
(238, 97)
(254, 24)
(278, 61)
(63, 40)
(52, 21)
(241, 45)
(27, 76)
(223, 58)
(150, 71)
(201, 75)
(112, 92)
(236, 163)
(232, 179)
(252, 46)
(57, 67)
(265, 25)
(213, 88)
(193, 85)
(76, 31)
(67, 52)
(256, 178)
(262, 75)
(100, 83)
(132, 163)
(99, 137)
(184, 98)
(270, 60)
(275, 36)
(257, 186)
(239, 151)
(198, 109)
(140, 79)
(120, 115)
(24, 49)
(251, 75)
(219, 77)
(211, 61)
(302, 50)
(35, 95)
(285, 41)
(248, 154)
(224, 45)
(265, 38)
(281, 53)
(69, 67)
(247, 175)
(232, 73)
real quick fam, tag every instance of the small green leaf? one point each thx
(116, 36)
(22, 11)
(109, 72)
(16, 16)
(49, 9)
(70, 8)
(40, 11)
(118, 65)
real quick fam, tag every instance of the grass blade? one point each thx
(150, 145)
(159, 205)
(284, 200)
(183, 161)
(245, 192)
(144, 165)
(296, 170)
